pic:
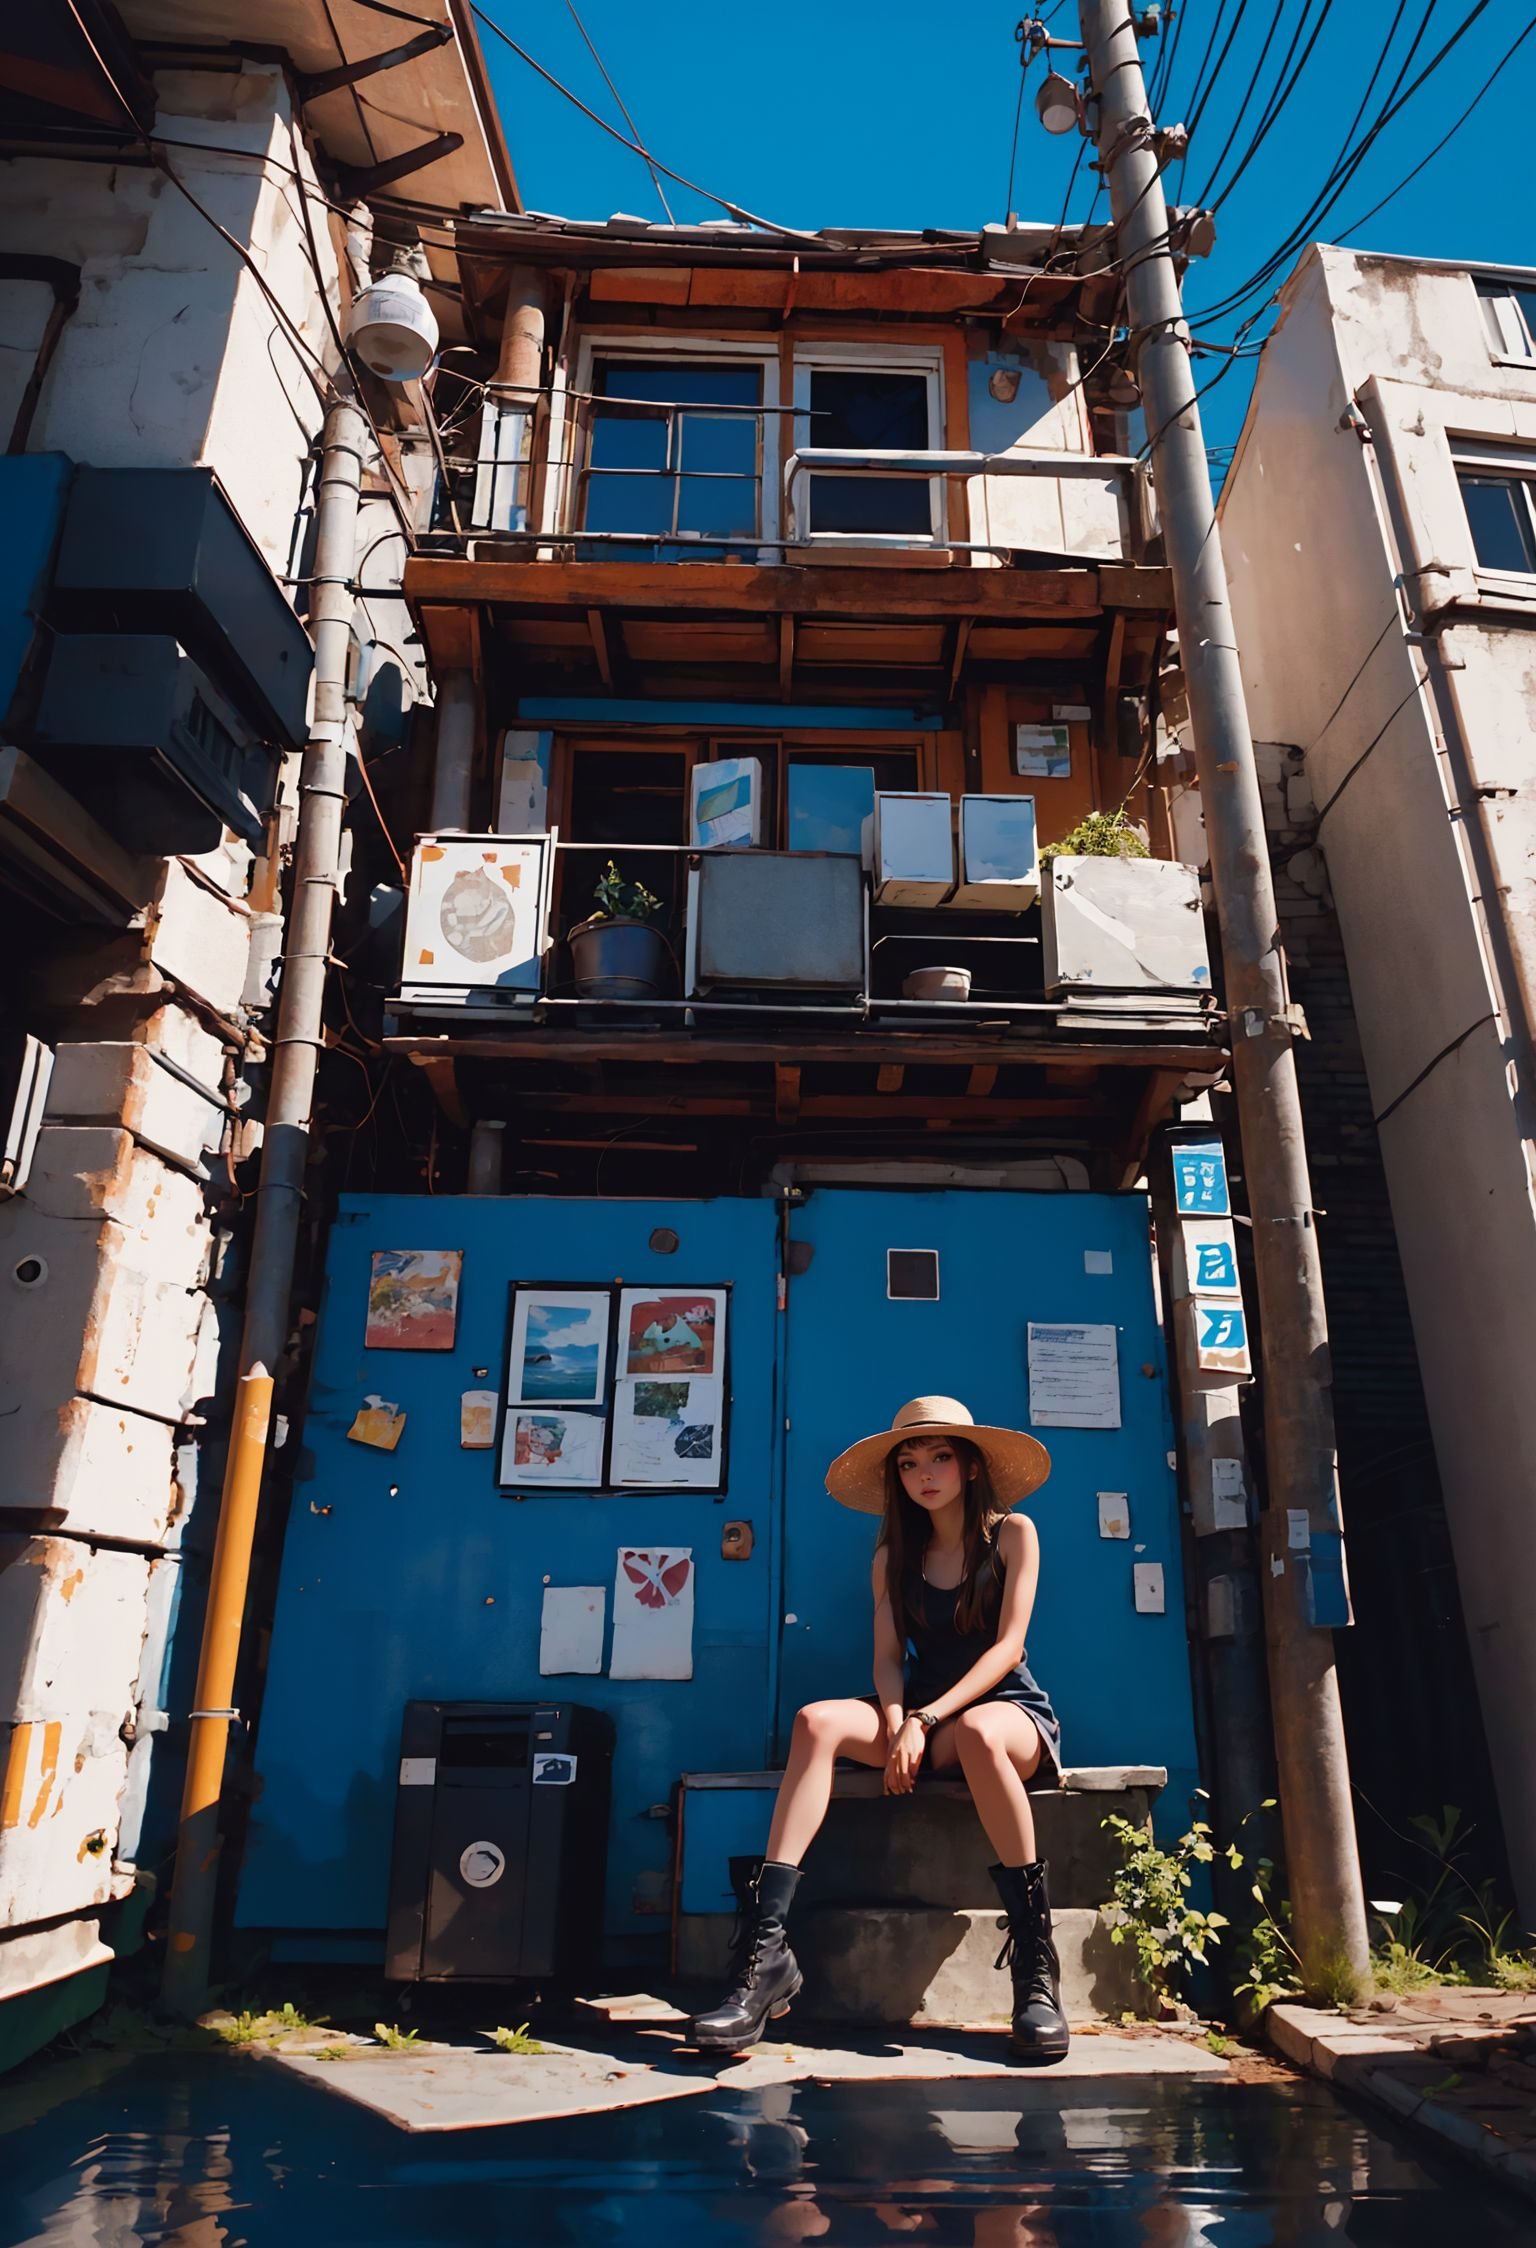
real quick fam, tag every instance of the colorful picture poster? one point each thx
(413, 1299)
(1042, 753)
(550, 1446)
(681, 1332)
(667, 1433)
(477, 1420)
(653, 1613)
(559, 1352)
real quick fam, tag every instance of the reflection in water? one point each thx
(233, 2153)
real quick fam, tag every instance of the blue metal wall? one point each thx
(423, 1579)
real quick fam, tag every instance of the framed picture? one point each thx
(413, 1299)
(554, 1446)
(559, 1349)
(669, 1332)
(669, 1432)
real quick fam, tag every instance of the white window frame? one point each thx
(1503, 313)
(617, 345)
(1496, 457)
(880, 359)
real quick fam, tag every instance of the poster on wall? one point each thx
(413, 1299)
(552, 1446)
(559, 1352)
(653, 1613)
(1074, 1376)
(667, 1432)
(679, 1331)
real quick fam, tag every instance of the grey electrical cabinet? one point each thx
(773, 921)
(501, 1842)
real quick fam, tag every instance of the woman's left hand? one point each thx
(901, 1766)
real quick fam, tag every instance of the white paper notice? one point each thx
(1074, 1377)
(653, 1613)
(1114, 1514)
(1147, 1579)
(1298, 1529)
(667, 1432)
(1229, 1495)
(571, 1631)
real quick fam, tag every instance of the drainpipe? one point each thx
(514, 395)
(64, 280)
(453, 769)
(279, 1198)
(1322, 1856)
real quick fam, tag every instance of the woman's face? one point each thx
(931, 1472)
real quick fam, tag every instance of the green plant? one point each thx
(1271, 1966)
(1149, 1903)
(621, 900)
(1221, 2046)
(1502, 1965)
(398, 2040)
(331, 2053)
(515, 2040)
(1101, 835)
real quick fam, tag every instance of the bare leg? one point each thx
(998, 1747)
(823, 1732)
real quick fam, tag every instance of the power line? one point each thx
(1283, 92)
(1486, 88)
(623, 112)
(733, 210)
(1252, 89)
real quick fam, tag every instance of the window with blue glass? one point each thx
(674, 454)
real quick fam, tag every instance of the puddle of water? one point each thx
(224, 2152)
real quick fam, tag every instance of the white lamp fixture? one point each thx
(1057, 104)
(392, 329)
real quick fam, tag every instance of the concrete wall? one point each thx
(1342, 551)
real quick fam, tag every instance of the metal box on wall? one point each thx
(162, 550)
(1124, 925)
(477, 918)
(914, 847)
(776, 921)
(999, 856)
(134, 728)
(501, 1841)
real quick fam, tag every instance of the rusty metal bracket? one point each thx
(313, 83)
(359, 184)
(1289, 1021)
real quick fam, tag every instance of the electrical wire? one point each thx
(623, 112)
(736, 211)
(1013, 153)
(1274, 102)
(1282, 95)
(1486, 88)
(1199, 108)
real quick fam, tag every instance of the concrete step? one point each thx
(879, 1967)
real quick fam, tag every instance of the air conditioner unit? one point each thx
(477, 920)
(1124, 925)
(136, 729)
(913, 847)
(775, 921)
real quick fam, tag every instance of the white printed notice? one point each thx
(653, 1613)
(1074, 1377)
(666, 1433)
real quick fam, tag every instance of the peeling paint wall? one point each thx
(1343, 491)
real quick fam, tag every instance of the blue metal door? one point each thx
(1119, 1677)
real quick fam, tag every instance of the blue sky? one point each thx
(901, 114)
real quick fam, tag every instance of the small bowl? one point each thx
(937, 983)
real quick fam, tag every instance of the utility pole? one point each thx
(1322, 1858)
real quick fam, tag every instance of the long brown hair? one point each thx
(904, 1534)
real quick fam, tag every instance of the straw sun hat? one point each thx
(1017, 1463)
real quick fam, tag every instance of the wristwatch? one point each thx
(926, 1719)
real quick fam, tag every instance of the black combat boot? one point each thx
(1040, 2031)
(764, 1974)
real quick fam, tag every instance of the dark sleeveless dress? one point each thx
(938, 1654)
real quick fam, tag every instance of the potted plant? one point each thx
(617, 953)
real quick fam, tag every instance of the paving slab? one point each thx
(464, 2087)
(1452, 2063)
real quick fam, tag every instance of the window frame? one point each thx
(1488, 288)
(1496, 458)
(601, 344)
(877, 359)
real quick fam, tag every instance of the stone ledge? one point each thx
(1079, 1779)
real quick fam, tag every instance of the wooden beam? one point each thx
(1073, 1060)
(786, 1092)
(601, 652)
(786, 656)
(890, 1077)
(871, 1108)
(834, 589)
(1155, 1102)
(957, 654)
(442, 1076)
(1127, 586)
(981, 1080)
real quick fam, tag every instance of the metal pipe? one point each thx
(453, 771)
(1327, 1899)
(513, 396)
(279, 1195)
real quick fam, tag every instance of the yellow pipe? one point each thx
(184, 1981)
